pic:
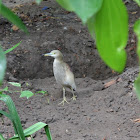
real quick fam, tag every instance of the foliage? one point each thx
(24, 93)
(84, 9)
(111, 35)
(13, 116)
(107, 24)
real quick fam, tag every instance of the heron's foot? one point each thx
(64, 100)
(74, 97)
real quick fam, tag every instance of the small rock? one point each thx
(68, 131)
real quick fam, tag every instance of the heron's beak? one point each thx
(47, 54)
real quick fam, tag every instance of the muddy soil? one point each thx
(99, 113)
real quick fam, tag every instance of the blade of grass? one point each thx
(8, 14)
(34, 128)
(1, 137)
(13, 112)
(9, 50)
(48, 133)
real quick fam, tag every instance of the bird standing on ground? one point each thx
(62, 73)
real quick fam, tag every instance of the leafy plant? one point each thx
(13, 116)
(24, 93)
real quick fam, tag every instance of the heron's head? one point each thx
(54, 54)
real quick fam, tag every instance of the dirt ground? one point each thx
(101, 112)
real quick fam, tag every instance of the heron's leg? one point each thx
(64, 98)
(74, 96)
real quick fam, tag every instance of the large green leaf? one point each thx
(2, 65)
(9, 50)
(34, 128)
(111, 32)
(13, 113)
(85, 9)
(137, 32)
(7, 13)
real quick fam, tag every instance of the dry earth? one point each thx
(99, 113)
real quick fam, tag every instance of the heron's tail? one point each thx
(74, 87)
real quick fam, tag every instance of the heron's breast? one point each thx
(59, 73)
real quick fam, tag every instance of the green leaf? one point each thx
(1, 137)
(34, 128)
(137, 32)
(13, 113)
(2, 65)
(38, 1)
(48, 133)
(138, 2)
(85, 9)
(7, 13)
(15, 84)
(26, 93)
(5, 89)
(43, 92)
(9, 50)
(111, 32)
